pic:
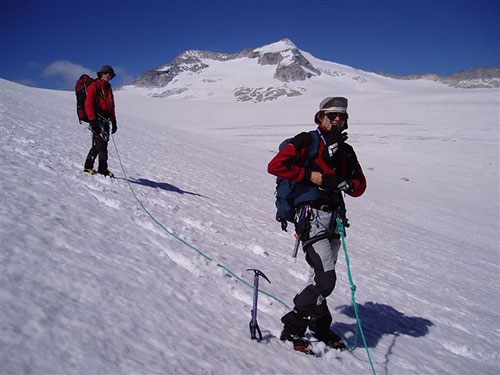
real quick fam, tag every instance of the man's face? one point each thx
(334, 119)
(106, 77)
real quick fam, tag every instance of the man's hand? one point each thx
(316, 178)
(95, 126)
(334, 183)
(333, 140)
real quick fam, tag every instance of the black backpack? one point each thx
(285, 189)
(81, 94)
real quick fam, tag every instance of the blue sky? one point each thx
(48, 43)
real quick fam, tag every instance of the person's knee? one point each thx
(325, 283)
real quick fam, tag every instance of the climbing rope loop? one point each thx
(198, 251)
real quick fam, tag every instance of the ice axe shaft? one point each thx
(255, 333)
(296, 247)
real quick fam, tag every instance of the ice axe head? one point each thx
(259, 273)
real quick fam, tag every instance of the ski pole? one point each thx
(254, 327)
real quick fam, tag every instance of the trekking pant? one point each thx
(99, 148)
(310, 305)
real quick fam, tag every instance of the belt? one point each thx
(321, 207)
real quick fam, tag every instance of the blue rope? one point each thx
(198, 251)
(359, 327)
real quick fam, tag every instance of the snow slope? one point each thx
(91, 284)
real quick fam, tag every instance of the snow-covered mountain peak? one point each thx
(279, 46)
(269, 72)
(274, 71)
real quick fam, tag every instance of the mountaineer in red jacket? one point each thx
(100, 109)
(318, 199)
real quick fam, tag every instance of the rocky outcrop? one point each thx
(264, 94)
(291, 65)
(475, 78)
(469, 79)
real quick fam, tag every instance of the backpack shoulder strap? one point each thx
(314, 149)
(99, 90)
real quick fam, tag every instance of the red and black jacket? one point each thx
(290, 163)
(100, 100)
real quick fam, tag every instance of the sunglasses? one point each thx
(333, 115)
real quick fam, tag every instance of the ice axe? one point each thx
(255, 333)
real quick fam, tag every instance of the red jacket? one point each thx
(289, 163)
(100, 100)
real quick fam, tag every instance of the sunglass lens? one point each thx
(333, 115)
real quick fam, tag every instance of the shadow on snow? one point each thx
(379, 320)
(161, 185)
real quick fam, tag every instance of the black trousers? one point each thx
(99, 149)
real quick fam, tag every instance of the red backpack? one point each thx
(81, 94)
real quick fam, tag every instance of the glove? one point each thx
(334, 183)
(114, 128)
(95, 126)
(333, 141)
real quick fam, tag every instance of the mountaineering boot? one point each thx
(334, 341)
(106, 173)
(300, 344)
(89, 170)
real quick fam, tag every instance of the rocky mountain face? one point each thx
(188, 61)
(469, 79)
(475, 78)
(289, 65)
